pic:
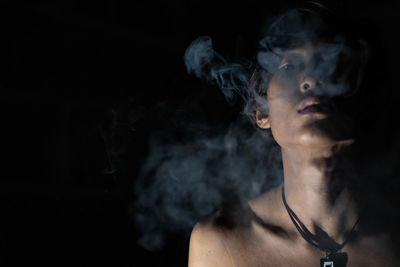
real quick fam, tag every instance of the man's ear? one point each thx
(262, 120)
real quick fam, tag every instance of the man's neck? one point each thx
(320, 200)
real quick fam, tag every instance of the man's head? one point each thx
(305, 62)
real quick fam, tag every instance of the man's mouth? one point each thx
(313, 105)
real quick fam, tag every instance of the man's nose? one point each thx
(308, 83)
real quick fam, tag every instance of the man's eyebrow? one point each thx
(293, 55)
(297, 50)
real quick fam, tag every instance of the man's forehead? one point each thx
(307, 51)
(303, 52)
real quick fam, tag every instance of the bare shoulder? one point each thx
(211, 241)
(207, 247)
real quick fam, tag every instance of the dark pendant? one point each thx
(334, 260)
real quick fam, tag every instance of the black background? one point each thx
(80, 79)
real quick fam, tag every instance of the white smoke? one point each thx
(182, 183)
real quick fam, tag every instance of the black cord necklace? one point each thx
(333, 257)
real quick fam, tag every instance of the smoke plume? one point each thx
(182, 183)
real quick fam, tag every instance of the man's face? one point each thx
(301, 109)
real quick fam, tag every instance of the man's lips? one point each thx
(312, 105)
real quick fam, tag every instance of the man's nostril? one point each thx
(306, 86)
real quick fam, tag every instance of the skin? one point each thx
(261, 232)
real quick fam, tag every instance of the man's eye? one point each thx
(288, 67)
